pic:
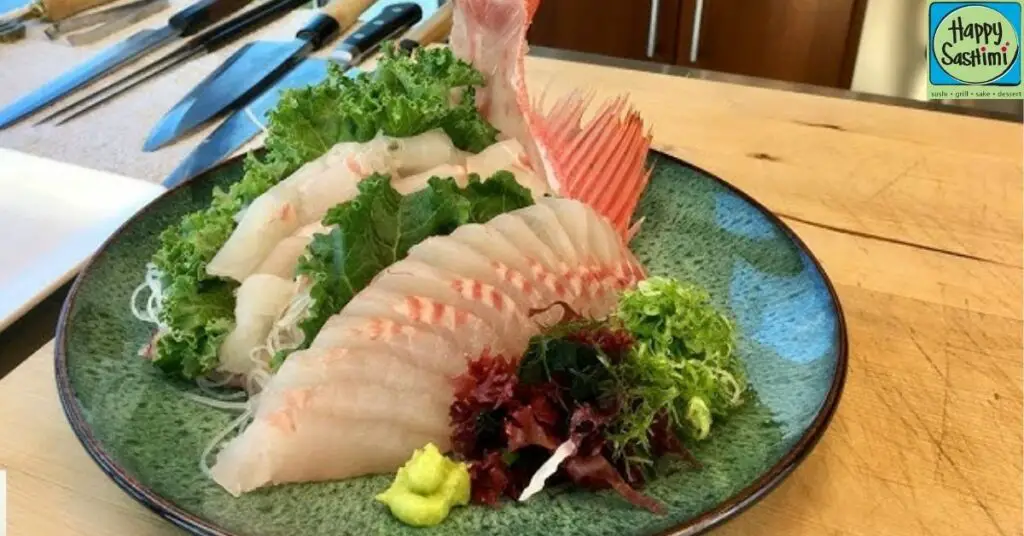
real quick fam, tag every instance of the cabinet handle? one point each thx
(698, 18)
(652, 29)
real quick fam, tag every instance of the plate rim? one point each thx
(718, 515)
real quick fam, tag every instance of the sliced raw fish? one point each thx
(508, 155)
(311, 447)
(258, 302)
(284, 258)
(365, 364)
(306, 196)
(424, 348)
(484, 300)
(372, 362)
(412, 183)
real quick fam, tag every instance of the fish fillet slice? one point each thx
(455, 257)
(426, 349)
(351, 400)
(306, 195)
(260, 299)
(313, 447)
(410, 276)
(366, 364)
(284, 258)
(508, 155)
(468, 332)
(301, 436)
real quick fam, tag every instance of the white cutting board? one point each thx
(53, 216)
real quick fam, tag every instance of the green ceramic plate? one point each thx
(148, 438)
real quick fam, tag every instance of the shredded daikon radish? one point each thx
(547, 469)
(153, 281)
(237, 423)
(286, 334)
(216, 402)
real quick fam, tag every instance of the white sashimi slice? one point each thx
(420, 153)
(327, 414)
(306, 195)
(487, 302)
(359, 401)
(595, 239)
(454, 256)
(546, 267)
(284, 258)
(466, 331)
(412, 183)
(259, 301)
(510, 156)
(420, 346)
(364, 364)
(512, 265)
(314, 447)
(280, 211)
(272, 217)
(386, 155)
(546, 225)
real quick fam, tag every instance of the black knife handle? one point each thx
(202, 14)
(391, 21)
(246, 23)
(320, 30)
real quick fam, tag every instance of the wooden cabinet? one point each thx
(805, 41)
(619, 28)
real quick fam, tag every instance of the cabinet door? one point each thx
(619, 28)
(805, 41)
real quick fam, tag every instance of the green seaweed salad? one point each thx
(407, 94)
(597, 403)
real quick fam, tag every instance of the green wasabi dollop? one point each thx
(426, 488)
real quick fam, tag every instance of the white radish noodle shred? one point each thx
(285, 334)
(549, 467)
(153, 281)
(237, 423)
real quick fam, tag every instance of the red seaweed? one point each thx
(505, 428)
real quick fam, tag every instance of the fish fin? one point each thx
(601, 163)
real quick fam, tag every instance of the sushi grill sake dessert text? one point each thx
(428, 274)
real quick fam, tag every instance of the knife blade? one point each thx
(250, 70)
(205, 43)
(182, 24)
(246, 123)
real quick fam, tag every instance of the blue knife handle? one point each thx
(202, 14)
(390, 22)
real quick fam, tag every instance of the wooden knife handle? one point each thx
(332, 19)
(55, 10)
(346, 12)
(433, 30)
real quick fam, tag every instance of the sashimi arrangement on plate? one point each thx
(433, 303)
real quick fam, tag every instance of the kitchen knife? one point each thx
(182, 24)
(244, 124)
(207, 42)
(250, 70)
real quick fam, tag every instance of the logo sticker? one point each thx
(974, 50)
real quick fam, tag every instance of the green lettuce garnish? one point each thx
(406, 95)
(379, 226)
(683, 362)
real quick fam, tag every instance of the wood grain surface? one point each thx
(916, 217)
